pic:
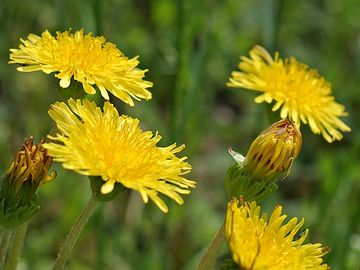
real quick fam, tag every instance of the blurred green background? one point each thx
(190, 48)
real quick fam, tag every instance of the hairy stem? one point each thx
(74, 234)
(5, 239)
(15, 248)
(208, 259)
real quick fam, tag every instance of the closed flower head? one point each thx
(102, 143)
(90, 60)
(30, 168)
(301, 93)
(274, 150)
(31, 164)
(258, 243)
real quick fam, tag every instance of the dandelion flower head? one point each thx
(257, 243)
(103, 143)
(300, 92)
(90, 60)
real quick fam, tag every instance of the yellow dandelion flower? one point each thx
(258, 243)
(90, 60)
(300, 92)
(102, 143)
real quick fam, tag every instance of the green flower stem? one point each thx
(5, 239)
(207, 260)
(74, 234)
(15, 248)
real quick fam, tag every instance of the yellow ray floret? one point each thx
(257, 243)
(300, 92)
(102, 143)
(90, 60)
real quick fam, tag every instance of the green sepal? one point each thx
(75, 91)
(17, 207)
(229, 264)
(96, 182)
(16, 215)
(239, 182)
(97, 98)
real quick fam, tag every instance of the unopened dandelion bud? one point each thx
(274, 150)
(270, 155)
(29, 170)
